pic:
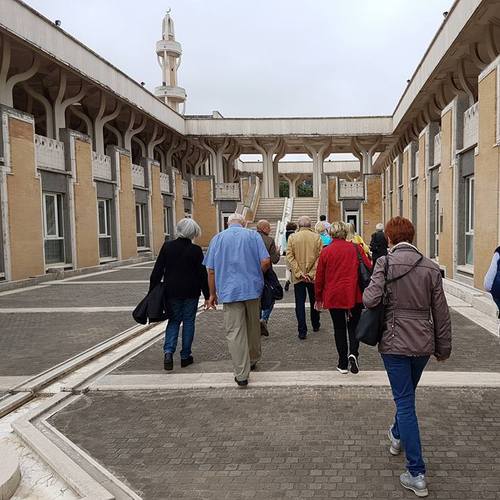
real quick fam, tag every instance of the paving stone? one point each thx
(33, 342)
(103, 295)
(286, 443)
(120, 275)
(474, 349)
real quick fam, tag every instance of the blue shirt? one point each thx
(235, 256)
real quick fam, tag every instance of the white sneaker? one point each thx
(417, 484)
(395, 448)
(342, 370)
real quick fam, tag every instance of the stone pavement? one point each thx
(44, 325)
(286, 443)
(474, 349)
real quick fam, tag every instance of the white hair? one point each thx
(188, 228)
(236, 219)
(304, 221)
(379, 227)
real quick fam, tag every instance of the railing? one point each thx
(437, 148)
(351, 190)
(227, 191)
(185, 189)
(279, 238)
(165, 183)
(471, 126)
(249, 205)
(101, 166)
(49, 153)
(138, 178)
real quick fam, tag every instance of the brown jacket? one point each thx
(270, 247)
(302, 253)
(417, 319)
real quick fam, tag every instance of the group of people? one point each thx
(324, 264)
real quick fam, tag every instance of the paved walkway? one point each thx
(313, 441)
(286, 443)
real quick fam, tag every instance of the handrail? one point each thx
(248, 206)
(282, 223)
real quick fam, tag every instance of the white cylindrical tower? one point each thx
(169, 58)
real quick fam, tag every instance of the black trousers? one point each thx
(344, 328)
(300, 290)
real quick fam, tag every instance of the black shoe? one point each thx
(168, 361)
(316, 329)
(263, 328)
(287, 286)
(186, 362)
(353, 364)
(302, 337)
(253, 367)
(241, 383)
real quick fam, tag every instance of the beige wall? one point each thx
(333, 205)
(446, 195)
(24, 198)
(373, 208)
(156, 209)
(179, 200)
(86, 231)
(204, 209)
(421, 239)
(486, 176)
(127, 209)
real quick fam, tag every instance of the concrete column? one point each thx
(84, 199)
(61, 103)
(101, 120)
(317, 153)
(21, 198)
(267, 149)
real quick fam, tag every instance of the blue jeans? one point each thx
(182, 311)
(404, 374)
(265, 314)
(300, 290)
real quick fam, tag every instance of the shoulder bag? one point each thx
(371, 323)
(364, 273)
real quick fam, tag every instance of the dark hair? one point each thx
(322, 217)
(291, 226)
(399, 229)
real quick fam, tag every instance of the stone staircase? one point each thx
(305, 206)
(270, 209)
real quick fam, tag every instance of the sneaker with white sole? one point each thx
(395, 448)
(417, 484)
(342, 370)
(353, 364)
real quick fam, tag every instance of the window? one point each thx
(167, 228)
(53, 228)
(400, 201)
(104, 213)
(469, 220)
(414, 165)
(414, 202)
(140, 224)
(437, 228)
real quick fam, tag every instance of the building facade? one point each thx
(94, 168)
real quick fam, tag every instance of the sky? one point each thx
(265, 57)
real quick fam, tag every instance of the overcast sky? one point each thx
(265, 57)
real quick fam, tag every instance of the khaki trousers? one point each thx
(242, 323)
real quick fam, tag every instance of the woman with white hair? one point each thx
(180, 264)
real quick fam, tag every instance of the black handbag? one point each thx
(371, 323)
(272, 290)
(153, 307)
(364, 273)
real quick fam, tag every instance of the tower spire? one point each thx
(169, 53)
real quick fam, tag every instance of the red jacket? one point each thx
(336, 283)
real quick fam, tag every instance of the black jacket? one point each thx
(180, 264)
(378, 245)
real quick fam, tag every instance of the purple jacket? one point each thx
(417, 318)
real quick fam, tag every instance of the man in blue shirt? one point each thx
(236, 260)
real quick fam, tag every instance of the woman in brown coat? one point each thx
(416, 326)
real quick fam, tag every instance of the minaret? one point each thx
(169, 58)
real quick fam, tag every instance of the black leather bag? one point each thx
(153, 307)
(364, 274)
(371, 323)
(272, 289)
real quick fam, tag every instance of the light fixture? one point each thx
(57, 22)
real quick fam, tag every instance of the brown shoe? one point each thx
(263, 328)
